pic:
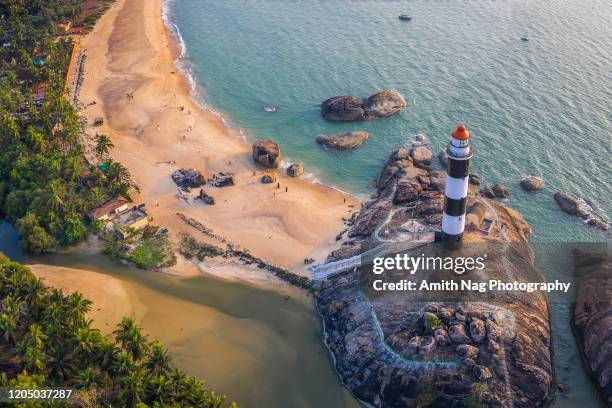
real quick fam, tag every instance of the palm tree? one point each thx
(132, 388)
(131, 338)
(103, 146)
(78, 307)
(157, 390)
(33, 358)
(158, 361)
(56, 194)
(85, 342)
(87, 378)
(8, 328)
(59, 363)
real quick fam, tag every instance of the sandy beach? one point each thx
(132, 51)
(111, 298)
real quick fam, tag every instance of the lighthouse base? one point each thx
(449, 241)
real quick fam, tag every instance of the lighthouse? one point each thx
(453, 220)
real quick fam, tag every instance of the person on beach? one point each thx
(286, 189)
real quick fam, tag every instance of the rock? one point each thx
(501, 191)
(349, 108)
(437, 180)
(443, 157)
(407, 191)
(223, 180)
(570, 203)
(295, 170)
(413, 345)
(488, 192)
(592, 315)
(428, 344)
(532, 183)
(474, 179)
(206, 198)
(347, 141)
(446, 313)
(266, 153)
(458, 334)
(421, 155)
(442, 338)
(467, 351)
(188, 178)
(482, 373)
(383, 104)
(477, 330)
(343, 108)
(494, 332)
(267, 179)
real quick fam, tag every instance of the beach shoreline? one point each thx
(163, 127)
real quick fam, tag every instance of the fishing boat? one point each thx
(271, 108)
(405, 17)
(524, 39)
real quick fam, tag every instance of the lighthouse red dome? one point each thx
(461, 133)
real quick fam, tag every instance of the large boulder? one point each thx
(207, 198)
(188, 178)
(266, 153)
(347, 141)
(383, 104)
(295, 170)
(458, 334)
(443, 157)
(348, 108)
(267, 179)
(532, 183)
(421, 155)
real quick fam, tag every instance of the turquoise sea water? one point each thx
(539, 107)
(542, 106)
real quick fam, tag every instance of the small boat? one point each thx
(271, 108)
(524, 39)
(405, 17)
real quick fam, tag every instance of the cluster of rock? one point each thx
(188, 178)
(266, 153)
(346, 141)
(348, 108)
(578, 206)
(398, 350)
(295, 170)
(592, 315)
(222, 179)
(496, 191)
(206, 198)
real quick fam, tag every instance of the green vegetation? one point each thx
(432, 321)
(148, 248)
(48, 341)
(46, 185)
(190, 248)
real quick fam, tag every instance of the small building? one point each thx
(40, 59)
(135, 219)
(109, 209)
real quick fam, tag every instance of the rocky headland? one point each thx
(575, 205)
(451, 350)
(349, 108)
(592, 315)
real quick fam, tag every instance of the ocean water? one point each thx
(541, 107)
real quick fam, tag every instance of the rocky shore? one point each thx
(451, 350)
(592, 316)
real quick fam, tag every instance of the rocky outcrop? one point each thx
(295, 170)
(222, 180)
(501, 191)
(188, 178)
(532, 183)
(592, 315)
(399, 350)
(347, 141)
(443, 158)
(575, 205)
(266, 153)
(208, 199)
(348, 108)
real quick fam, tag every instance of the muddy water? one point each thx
(253, 345)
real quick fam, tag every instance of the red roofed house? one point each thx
(109, 209)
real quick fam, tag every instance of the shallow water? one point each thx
(250, 344)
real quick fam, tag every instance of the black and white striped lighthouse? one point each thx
(453, 220)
